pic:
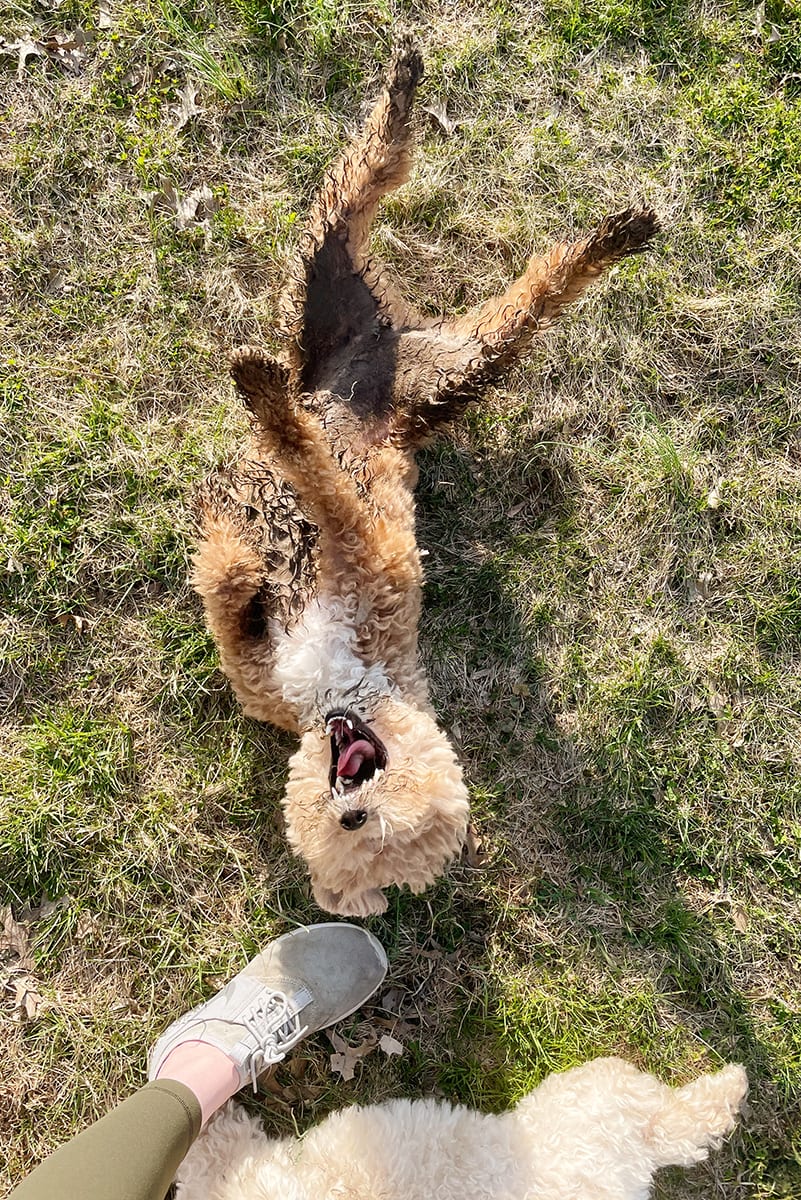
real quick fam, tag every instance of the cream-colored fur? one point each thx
(597, 1132)
(416, 813)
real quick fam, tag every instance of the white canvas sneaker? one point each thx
(302, 982)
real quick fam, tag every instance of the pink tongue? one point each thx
(352, 758)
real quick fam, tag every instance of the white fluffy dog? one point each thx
(597, 1132)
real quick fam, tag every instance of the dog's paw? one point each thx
(351, 904)
(365, 904)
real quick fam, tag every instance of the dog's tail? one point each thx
(290, 434)
(696, 1117)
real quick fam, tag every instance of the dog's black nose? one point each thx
(354, 819)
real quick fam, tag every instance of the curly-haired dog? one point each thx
(307, 564)
(597, 1132)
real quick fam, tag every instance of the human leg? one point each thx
(302, 982)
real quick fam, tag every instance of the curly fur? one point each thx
(307, 560)
(597, 1132)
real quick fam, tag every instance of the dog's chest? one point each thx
(317, 665)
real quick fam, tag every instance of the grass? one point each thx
(612, 609)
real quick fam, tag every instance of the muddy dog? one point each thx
(307, 561)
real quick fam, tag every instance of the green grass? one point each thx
(612, 613)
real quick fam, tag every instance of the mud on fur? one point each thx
(307, 561)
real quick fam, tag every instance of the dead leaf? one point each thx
(298, 1067)
(105, 16)
(343, 1062)
(392, 1000)
(390, 1045)
(69, 51)
(439, 115)
(473, 848)
(67, 618)
(45, 908)
(14, 938)
(715, 496)
(87, 924)
(198, 207)
(24, 48)
(699, 586)
(268, 1082)
(27, 1000)
(187, 108)
(761, 24)
(395, 1025)
(740, 918)
(518, 508)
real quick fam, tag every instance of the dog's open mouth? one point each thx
(357, 753)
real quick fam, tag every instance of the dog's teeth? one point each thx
(341, 787)
(349, 724)
(378, 773)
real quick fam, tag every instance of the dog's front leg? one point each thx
(369, 903)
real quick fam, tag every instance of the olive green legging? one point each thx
(130, 1154)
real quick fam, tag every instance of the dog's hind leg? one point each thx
(376, 162)
(464, 354)
(504, 325)
(354, 546)
(336, 292)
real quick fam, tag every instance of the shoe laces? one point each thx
(274, 1024)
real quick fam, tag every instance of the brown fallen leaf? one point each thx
(45, 908)
(186, 108)
(343, 1062)
(439, 115)
(68, 51)
(198, 207)
(268, 1082)
(298, 1066)
(395, 1025)
(473, 848)
(14, 938)
(390, 1045)
(27, 1000)
(67, 618)
(761, 24)
(740, 918)
(24, 48)
(392, 1000)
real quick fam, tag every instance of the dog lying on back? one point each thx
(308, 565)
(597, 1132)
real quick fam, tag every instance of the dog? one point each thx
(307, 562)
(596, 1132)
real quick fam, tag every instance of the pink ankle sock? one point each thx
(206, 1071)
